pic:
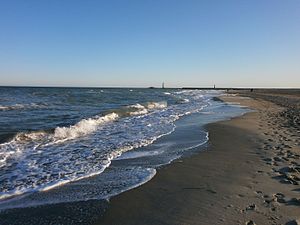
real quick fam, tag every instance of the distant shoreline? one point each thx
(184, 88)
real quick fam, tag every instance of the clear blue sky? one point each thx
(144, 42)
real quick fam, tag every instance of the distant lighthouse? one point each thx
(163, 85)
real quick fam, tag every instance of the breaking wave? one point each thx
(83, 127)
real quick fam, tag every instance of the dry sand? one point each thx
(249, 174)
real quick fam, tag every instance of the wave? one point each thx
(139, 108)
(156, 105)
(83, 127)
(143, 109)
(21, 106)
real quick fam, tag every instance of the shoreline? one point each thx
(231, 182)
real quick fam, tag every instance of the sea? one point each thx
(60, 145)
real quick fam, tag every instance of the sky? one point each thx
(141, 43)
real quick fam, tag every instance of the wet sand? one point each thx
(249, 174)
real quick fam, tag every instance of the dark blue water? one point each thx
(53, 136)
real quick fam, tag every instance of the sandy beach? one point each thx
(249, 173)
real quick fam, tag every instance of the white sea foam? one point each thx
(83, 127)
(30, 136)
(137, 154)
(21, 106)
(138, 109)
(136, 176)
(3, 107)
(156, 105)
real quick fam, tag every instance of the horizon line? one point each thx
(153, 87)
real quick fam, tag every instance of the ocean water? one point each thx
(74, 144)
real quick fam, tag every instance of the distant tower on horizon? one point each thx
(163, 85)
(214, 86)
